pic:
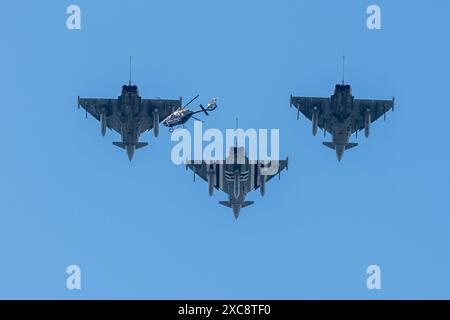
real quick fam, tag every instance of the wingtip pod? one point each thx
(287, 163)
(293, 104)
(393, 103)
(78, 102)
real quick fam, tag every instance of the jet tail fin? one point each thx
(119, 144)
(330, 145)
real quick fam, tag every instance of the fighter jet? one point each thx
(237, 176)
(182, 114)
(341, 115)
(129, 115)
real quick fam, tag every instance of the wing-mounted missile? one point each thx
(291, 103)
(156, 122)
(385, 110)
(296, 106)
(315, 120)
(367, 122)
(187, 162)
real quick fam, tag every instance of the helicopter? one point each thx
(180, 116)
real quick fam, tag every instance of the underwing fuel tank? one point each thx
(156, 123)
(103, 123)
(262, 187)
(237, 184)
(367, 121)
(210, 183)
(315, 121)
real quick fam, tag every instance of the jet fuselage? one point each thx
(130, 114)
(237, 172)
(342, 106)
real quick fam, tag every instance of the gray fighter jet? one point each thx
(129, 115)
(237, 176)
(341, 115)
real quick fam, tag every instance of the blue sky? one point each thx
(146, 230)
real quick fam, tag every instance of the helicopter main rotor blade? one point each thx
(192, 100)
(195, 118)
